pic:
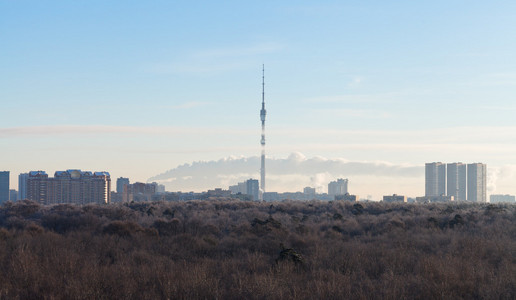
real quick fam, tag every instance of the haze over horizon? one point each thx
(138, 89)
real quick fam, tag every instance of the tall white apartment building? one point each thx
(22, 186)
(435, 179)
(456, 181)
(339, 187)
(477, 182)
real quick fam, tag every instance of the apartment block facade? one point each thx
(435, 179)
(71, 186)
(22, 186)
(249, 187)
(339, 187)
(456, 182)
(460, 182)
(138, 191)
(477, 182)
(4, 186)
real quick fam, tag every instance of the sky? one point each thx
(142, 89)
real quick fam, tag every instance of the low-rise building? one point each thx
(431, 199)
(309, 192)
(347, 197)
(395, 198)
(502, 198)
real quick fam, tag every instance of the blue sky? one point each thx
(137, 88)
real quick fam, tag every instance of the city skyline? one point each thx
(443, 182)
(138, 89)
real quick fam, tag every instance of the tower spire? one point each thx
(263, 113)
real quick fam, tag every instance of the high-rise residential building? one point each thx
(339, 187)
(456, 181)
(253, 188)
(249, 187)
(4, 186)
(71, 186)
(435, 179)
(37, 184)
(120, 182)
(477, 182)
(22, 186)
(13, 195)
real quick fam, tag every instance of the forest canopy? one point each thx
(230, 249)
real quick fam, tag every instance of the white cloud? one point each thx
(353, 98)
(354, 113)
(500, 180)
(106, 129)
(488, 137)
(285, 174)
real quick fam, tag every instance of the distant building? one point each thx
(253, 188)
(309, 192)
(435, 179)
(4, 186)
(249, 187)
(120, 182)
(37, 186)
(116, 197)
(347, 197)
(13, 195)
(477, 182)
(139, 192)
(339, 187)
(462, 182)
(298, 196)
(239, 188)
(71, 186)
(217, 193)
(395, 198)
(502, 198)
(431, 199)
(271, 196)
(160, 188)
(22, 186)
(456, 181)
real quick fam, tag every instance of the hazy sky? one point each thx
(138, 88)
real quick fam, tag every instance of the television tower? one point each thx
(263, 112)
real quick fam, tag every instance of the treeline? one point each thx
(223, 249)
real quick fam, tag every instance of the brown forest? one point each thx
(224, 249)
